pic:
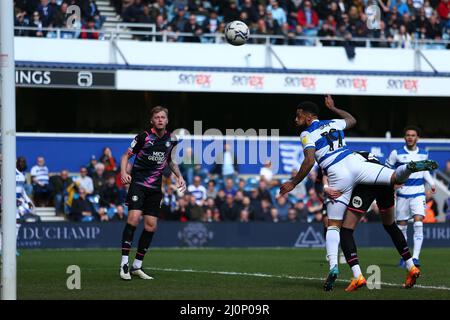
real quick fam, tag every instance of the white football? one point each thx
(237, 33)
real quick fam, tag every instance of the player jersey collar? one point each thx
(153, 131)
(411, 151)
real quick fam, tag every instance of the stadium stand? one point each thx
(292, 22)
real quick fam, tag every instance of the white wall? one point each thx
(223, 55)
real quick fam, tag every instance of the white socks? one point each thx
(409, 264)
(404, 230)
(418, 238)
(356, 271)
(124, 261)
(402, 173)
(332, 245)
(137, 264)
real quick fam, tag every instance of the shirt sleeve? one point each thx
(392, 159)
(306, 140)
(137, 144)
(340, 124)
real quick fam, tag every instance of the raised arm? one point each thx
(349, 119)
(305, 168)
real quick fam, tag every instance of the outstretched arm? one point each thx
(305, 168)
(349, 119)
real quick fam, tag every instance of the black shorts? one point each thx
(144, 199)
(364, 195)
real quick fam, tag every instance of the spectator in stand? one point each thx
(198, 191)
(229, 187)
(21, 165)
(262, 30)
(169, 203)
(88, 31)
(36, 22)
(238, 200)
(229, 210)
(278, 13)
(248, 207)
(274, 215)
(231, 11)
(308, 19)
(21, 20)
(262, 212)
(46, 12)
(82, 209)
(311, 180)
(314, 204)
(326, 32)
(292, 216)
(192, 27)
(181, 213)
(434, 31)
(211, 191)
(91, 166)
(402, 39)
(220, 198)
(108, 160)
(195, 211)
(266, 172)
(93, 12)
(251, 10)
(282, 206)
(179, 21)
(431, 209)
(264, 192)
(132, 12)
(302, 212)
(40, 179)
(84, 181)
(99, 177)
(273, 27)
(443, 10)
(244, 216)
(211, 210)
(212, 23)
(317, 217)
(109, 198)
(59, 185)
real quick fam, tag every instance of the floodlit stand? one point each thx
(8, 151)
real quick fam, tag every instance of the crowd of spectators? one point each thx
(338, 21)
(217, 194)
(48, 15)
(402, 21)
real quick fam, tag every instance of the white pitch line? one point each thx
(264, 275)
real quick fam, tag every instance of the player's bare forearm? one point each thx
(174, 168)
(349, 119)
(124, 162)
(305, 168)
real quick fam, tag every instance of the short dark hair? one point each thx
(158, 109)
(415, 128)
(310, 107)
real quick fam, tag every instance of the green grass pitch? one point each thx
(223, 274)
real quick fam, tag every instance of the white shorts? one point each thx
(350, 171)
(406, 208)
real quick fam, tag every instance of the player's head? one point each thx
(411, 134)
(159, 117)
(307, 112)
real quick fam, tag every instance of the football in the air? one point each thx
(236, 33)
